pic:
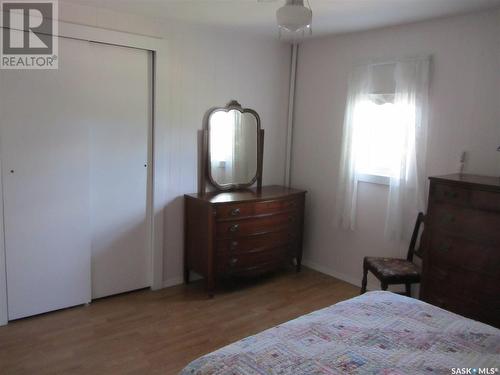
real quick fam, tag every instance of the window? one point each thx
(378, 139)
(384, 138)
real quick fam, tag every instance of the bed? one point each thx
(376, 333)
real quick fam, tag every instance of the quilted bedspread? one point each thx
(376, 333)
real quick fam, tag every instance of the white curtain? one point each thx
(407, 188)
(407, 182)
(360, 83)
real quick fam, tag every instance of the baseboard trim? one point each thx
(338, 275)
(172, 281)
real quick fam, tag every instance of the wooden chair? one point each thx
(390, 271)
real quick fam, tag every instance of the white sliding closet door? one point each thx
(44, 145)
(119, 169)
(74, 157)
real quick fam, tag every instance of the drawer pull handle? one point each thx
(233, 261)
(234, 228)
(234, 245)
(235, 212)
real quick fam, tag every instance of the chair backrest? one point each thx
(414, 237)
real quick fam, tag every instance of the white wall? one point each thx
(206, 67)
(465, 115)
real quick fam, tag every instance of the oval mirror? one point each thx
(233, 146)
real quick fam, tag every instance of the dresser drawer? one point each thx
(443, 193)
(242, 210)
(254, 269)
(485, 200)
(477, 298)
(456, 251)
(449, 281)
(267, 207)
(445, 276)
(236, 263)
(460, 304)
(245, 227)
(257, 242)
(474, 224)
(444, 287)
(470, 308)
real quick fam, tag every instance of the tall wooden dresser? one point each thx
(461, 243)
(243, 233)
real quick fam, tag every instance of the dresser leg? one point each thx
(210, 287)
(186, 275)
(298, 267)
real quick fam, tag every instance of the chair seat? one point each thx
(393, 270)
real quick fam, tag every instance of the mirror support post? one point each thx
(260, 160)
(202, 185)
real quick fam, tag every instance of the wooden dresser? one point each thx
(461, 263)
(244, 232)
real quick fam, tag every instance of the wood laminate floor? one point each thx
(160, 332)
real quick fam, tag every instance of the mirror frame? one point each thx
(206, 163)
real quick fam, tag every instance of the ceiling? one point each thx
(330, 16)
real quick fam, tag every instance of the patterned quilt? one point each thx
(376, 333)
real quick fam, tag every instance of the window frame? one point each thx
(373, 178)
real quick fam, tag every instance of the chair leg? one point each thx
(408, 290)
(365, 280)
(383, 286)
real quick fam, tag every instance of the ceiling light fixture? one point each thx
(294, 20)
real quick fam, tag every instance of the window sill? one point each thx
(373, 179)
